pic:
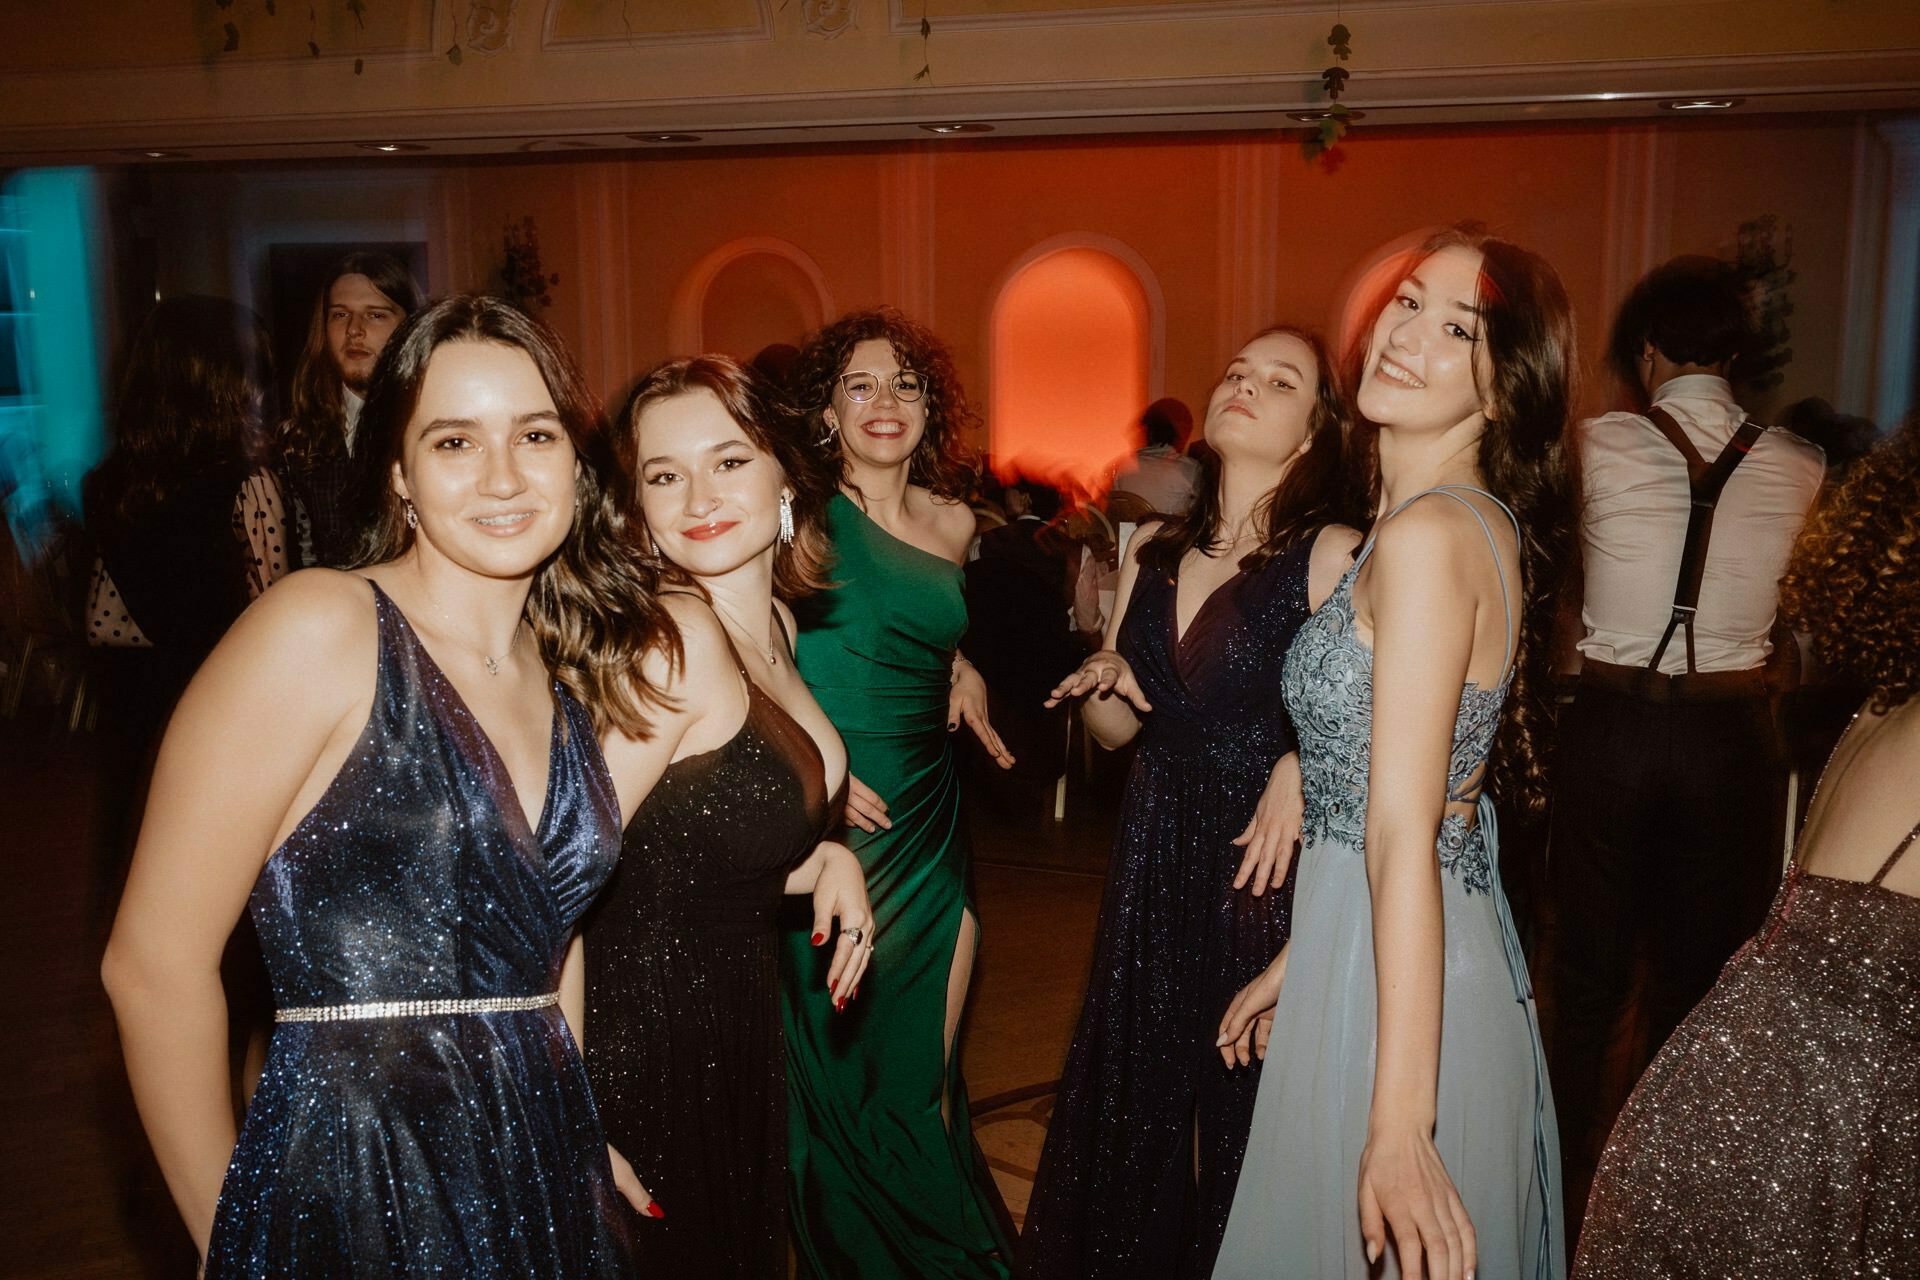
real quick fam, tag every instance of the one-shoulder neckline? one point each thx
(535, 826)
(895, 538)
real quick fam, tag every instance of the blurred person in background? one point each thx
(1159, 476)
(188, 520)
(1669, 813)
(364, 300)
(1778, 1132)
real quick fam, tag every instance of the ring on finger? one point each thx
(855, 932)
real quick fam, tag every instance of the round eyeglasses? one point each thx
(861, 386)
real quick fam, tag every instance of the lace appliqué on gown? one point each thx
(1328, 678)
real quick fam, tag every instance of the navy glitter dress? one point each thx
(428, 1143)
(1116, 1193)
(684, 1043)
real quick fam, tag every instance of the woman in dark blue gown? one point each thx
(1148, 1128)
(396, 770)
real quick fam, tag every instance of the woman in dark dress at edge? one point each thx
(885, 1177)
(726, 799)
(396, 770)
(1149, 1128)
(1778, 1131)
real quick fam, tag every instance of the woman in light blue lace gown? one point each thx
(1404, 1109)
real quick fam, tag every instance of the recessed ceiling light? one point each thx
(945, 130)
(155, 153)
(1315, 117)
(1701, 104)
(389, 148)
(664, 137)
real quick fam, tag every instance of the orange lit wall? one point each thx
(1070, 339)
(1222, 234)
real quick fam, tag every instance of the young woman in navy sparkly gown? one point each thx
(1148, 1129)
(396, 769)
(726, 802)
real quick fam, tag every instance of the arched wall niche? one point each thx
(1076, 347)
(745, 294)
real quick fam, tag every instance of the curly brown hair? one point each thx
(799, 566)
(942, 463)
(1854, 581)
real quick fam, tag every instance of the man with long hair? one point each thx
(363, 301)
(1670, 805)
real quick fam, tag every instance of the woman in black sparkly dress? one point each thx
(1149, 1128)
(726, 802)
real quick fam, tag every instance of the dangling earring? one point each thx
(833, 429)
(413, 517)
(786, 518)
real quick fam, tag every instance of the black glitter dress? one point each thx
(684, 1043)
(1116, 1193)
(428, 1142)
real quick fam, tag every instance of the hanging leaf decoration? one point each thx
(359, 65)
(313, 47)
(453, 53)
(271, 11)
(1323, 135)
(233, 38)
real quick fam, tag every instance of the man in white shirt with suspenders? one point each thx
(1670, 791)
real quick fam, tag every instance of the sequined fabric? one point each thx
(1294, 1213)
(684, 1046)
(1778, 1131)
(1116, 1194)
(455, 1144)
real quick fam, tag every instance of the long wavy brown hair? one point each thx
(799, 567)
(1853, 584)
(312, 429)
(594, 606)
(942, 463)
(1319, 489)
(192, 404)
(1527, 461)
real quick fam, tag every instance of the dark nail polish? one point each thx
(654, 1210)
(840, 1005)
(819, 938)
(831, 982)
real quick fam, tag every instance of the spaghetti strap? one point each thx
(1894, 857)
(1453, 491)
(786, 640)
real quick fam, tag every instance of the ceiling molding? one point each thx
(901, 22)
(759, 33)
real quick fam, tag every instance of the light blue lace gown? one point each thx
(1295, 1214)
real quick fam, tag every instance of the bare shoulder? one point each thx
(705, 652)
(314, 615)
(1145, 532)
(1429, 535)
(1335, 544)
(953, 524)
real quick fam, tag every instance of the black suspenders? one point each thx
(1704, 482)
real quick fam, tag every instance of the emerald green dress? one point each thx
(880, 1185)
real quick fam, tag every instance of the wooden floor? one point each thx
(79, 1194)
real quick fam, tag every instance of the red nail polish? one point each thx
(831, 982)
(654, 1210)
(840, 1005)
(819, 938)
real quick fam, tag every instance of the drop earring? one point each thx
(413, 517)
(786, 518)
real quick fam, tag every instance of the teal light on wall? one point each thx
(52, 428)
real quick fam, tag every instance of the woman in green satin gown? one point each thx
(884, 1176)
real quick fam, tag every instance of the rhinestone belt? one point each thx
(414, 1008)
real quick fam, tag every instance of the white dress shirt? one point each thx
(1635, 525)
(352, 402)
(1168, 480)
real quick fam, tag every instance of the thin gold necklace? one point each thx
(727, 615)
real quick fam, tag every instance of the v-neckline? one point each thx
(536, 825)
(1180, 635)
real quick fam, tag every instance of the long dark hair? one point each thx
(193, 403)
(593, 606)
(1317, 490)
(799, 567)
(1527, 462)
(312, 429)
(942, 462)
